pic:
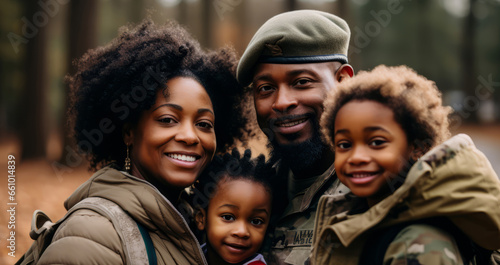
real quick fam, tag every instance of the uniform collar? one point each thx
(316, 187)
(309, 193)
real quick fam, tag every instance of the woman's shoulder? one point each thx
(85, 237)
(424, 244)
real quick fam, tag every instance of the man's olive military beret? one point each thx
(303, 36)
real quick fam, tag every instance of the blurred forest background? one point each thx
(456, 43)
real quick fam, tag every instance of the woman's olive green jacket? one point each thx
(89, 238)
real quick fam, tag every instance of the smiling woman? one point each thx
(175, 139)
(149, 110)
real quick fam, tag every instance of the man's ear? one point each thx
(344, 71)
(128, 134)
(200, 218)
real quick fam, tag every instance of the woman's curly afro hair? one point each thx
(415, 101)
(115, 83)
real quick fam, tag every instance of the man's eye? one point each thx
(263, 89)
(227, 217)
(303, 82)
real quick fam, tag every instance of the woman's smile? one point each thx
(188, 160)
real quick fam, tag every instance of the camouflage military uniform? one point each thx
(423, 244)
(291, 239)
(453, 183)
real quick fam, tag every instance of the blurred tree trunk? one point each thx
(183, 12)
(290, 5)
(468, 64)
(207, 8)
(421, 32)
(82, 35)
(240, 44)
(343, 11)
(33, 103)
(136, 11)
(424, 37)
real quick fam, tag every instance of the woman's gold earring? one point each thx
(127, 160)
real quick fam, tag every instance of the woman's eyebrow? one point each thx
(205, 110)
(175, 106)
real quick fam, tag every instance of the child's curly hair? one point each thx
(415, 101)
(115, 83)
(231, 166)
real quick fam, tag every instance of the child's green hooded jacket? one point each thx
(454, 180)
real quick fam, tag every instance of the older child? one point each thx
(233, 203)
(437, 210)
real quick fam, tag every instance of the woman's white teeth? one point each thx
(182, 157)
(292, 123)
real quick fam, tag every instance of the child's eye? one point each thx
(257, 222)
(377, 142)
(227, 217)
(343, 145)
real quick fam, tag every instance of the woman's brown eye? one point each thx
(167, 120)
(206, 125)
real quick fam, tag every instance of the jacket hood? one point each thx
(453, 180)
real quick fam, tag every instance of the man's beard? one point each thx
(299, 156)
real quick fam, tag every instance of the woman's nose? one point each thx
(187, 134)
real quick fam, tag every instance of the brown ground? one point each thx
(38, 187)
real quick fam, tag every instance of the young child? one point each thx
(233, 207)
(437, 208)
